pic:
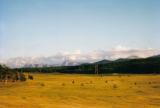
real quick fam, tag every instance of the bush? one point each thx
(91, 82)
(42, 84)
(82, 84)
(63, 84)
(22, 77)
(30, 77)
(73, 82)
(115, 86)
(7, 74)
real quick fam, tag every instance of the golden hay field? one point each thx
(82, 91)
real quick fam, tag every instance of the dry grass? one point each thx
(82, 91)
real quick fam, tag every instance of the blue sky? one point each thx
(45, 27)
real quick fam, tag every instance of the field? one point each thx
(82, 91)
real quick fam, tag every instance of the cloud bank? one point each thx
(78, 57)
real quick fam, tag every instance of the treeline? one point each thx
(133, 66)
(10, 75)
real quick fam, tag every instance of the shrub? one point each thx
(115, 86)
(30, 77)
(63, 84)
(73, 82)
(22, 77)
(82, 84)
(42, 84)
(91, 82)
(7, 74)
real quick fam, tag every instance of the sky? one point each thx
(47, 27)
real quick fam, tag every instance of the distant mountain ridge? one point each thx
(50, 61)
(103, 61)
(149, 65)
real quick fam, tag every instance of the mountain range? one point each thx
(77, 58)
(51, 61)
(133, 65)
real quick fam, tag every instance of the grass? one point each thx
(82, 91)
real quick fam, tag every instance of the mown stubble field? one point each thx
(82, 91)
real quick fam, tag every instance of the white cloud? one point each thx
(120, 48)
(128, 52)
(78, 56)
